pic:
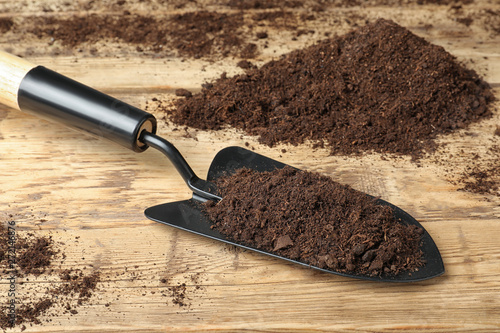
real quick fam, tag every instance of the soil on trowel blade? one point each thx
(310, 218)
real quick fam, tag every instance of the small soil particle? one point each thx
(200, 34)
(245, 64)
(5, 24)
(35, 254)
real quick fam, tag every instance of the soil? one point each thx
(487, 19)
(199, 34)
(178, 294)
(54, 291)
(379, 88)
(5, 24)
(234, 31)
(263, 4)
(63, 297)
(77, 284)
(259, 4)
(200, 31)
(182, 292)
(310, 218)
(36, 256)
(183, 93)
(482, 177)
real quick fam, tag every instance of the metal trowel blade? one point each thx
(188, 215)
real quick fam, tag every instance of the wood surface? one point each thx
(89, 195)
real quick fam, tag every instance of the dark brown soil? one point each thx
(261, 4)
(487, 19)
(264, 4)
(352, 3)
(76, 30)
(199, 33)
(482, 177)
(36, 256)
(312, 219)
(193, 34)
(77, 285)
(378, 88)
(183, 93)
(5, 24)
(65, 298)
(178, 294)
(183, 292)
(30, 313)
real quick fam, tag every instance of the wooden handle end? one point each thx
(12, 71)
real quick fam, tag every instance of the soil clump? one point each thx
(26, 256)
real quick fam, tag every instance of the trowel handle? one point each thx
(38, 90)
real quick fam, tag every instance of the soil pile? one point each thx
(312, 219)
(378, 88)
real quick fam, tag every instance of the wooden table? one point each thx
(89, 195)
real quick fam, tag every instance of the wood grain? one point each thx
(89, 195)
(13, 69)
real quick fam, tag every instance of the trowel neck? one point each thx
(203, 189)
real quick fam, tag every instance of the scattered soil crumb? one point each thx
(487, 19)
(6, 24)
(182, 292)
(33, 253)
(310, 218)
(178, 294)
(245, 64)
(36, 257)
(197, 34)
(183, 93)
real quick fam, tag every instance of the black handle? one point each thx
(56, 97)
